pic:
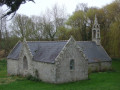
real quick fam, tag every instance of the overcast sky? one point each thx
(40, 6)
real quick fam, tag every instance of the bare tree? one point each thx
(37, 27)
(21, 25)
(52, 20)
(81, 6)
(2, 25)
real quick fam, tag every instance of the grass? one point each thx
(3, 68)
(98, 81)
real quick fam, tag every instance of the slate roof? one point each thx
(14, 54)
(44, 51)
(47, 51)
(93, 52)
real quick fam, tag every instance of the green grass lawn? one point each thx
(98, 81)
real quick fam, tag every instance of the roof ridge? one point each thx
(84, 41)
(49, 41)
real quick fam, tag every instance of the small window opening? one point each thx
(25, 63)
(98, 34)
(94, 33)
(72, 64)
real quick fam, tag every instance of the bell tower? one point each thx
(96, 32)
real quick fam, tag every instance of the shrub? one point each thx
(30, 77)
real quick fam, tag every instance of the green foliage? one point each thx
(63, 33)
(114, 43)
(78, 22)
(8, 44)
(3, 72)
(108, 17)
(30, 77)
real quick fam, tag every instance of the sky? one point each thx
(40, 6)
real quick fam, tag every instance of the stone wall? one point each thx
(12, 67)
(63, 71)
(44, 71)
(25, 52)
(92, 67)
(101, 66)
(106, 66)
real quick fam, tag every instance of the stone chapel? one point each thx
(59, 61)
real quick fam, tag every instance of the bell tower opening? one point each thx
(94, 33)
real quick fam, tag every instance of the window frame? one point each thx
(94, 33)
(72, 64)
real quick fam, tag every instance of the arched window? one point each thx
(25, 63)
(72, 64)
(94, 33)
(98, 34)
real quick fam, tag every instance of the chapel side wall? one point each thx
(46, 71)
(63, 72)
(12, 67)
(92, 67)
(101, 66)
(106, 65)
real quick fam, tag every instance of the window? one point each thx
(25, 63)
(72, 64)
(98, 34)
(94, 33)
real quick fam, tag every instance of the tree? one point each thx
(81, 6)
(53, 19)
(21, 26)
(48, 32)
(37, 28)
(112, 12)
(4, 34)
(13, 5)
(78, 21)
(114, 42)
(2, 25)
(63, 33)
